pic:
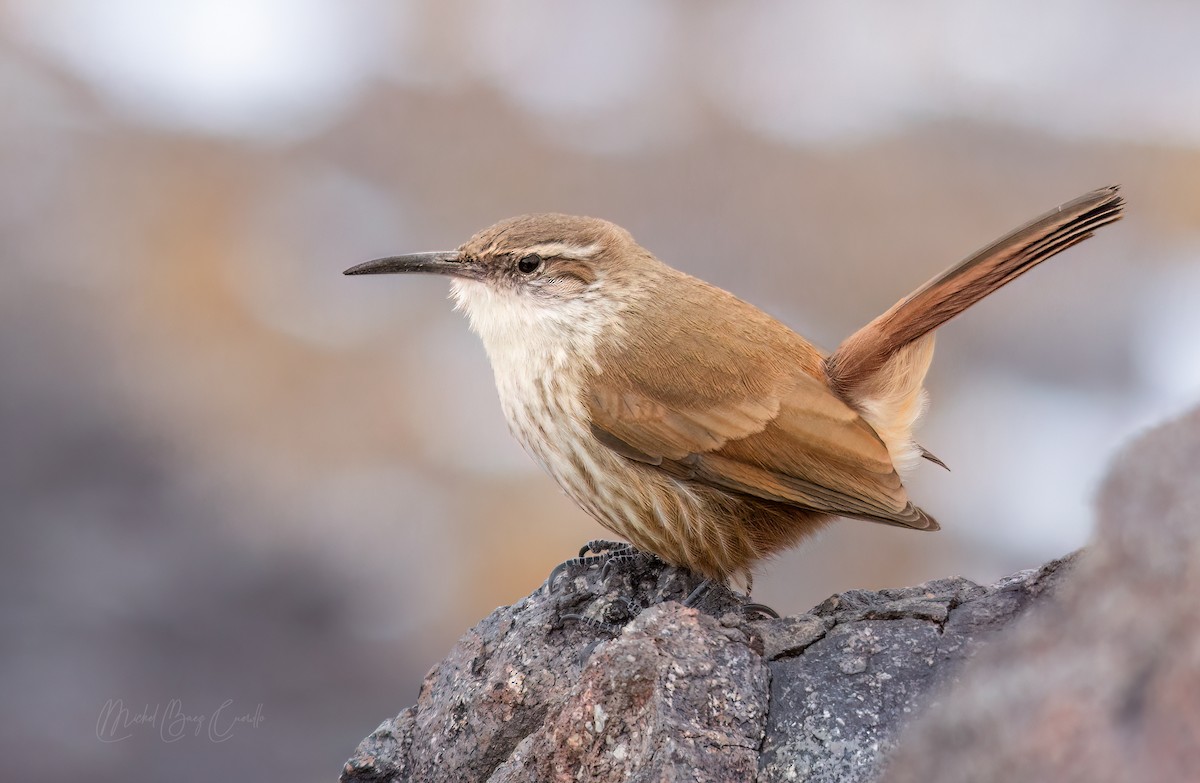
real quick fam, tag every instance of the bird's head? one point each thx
(559, 273)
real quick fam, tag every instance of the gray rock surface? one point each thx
(839, 701)
(1103, 684)
(644, 688)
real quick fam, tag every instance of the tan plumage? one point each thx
(689, 421)
(735, 420)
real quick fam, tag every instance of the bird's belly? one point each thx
(682, 523)
(712, 532)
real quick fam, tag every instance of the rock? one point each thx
(617, 681)
(675, 691)
(838, 703)
(639, 687)
(1103, 683)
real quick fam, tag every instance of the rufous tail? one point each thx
(865, 352)
(880, 369)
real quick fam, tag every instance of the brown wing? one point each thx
(796, 444)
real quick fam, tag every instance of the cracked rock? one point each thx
(1103, 684)
(837, 706)
(686, 694)
(1099, 682)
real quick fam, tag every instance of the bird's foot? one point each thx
(629, 580)
(749, 609)
(600, 545)
(608, 554)
(763, 609)
(613, 616)
(626, 557)
(623, 600)
(600, 551)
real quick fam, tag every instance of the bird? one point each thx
(690, 423)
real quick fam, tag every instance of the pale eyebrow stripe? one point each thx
(564, 250)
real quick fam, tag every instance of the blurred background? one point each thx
(236, 483)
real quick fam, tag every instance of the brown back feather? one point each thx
(748, 413)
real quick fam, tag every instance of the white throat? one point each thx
(540, 352)
(527, 336)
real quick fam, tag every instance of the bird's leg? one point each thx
(694, 597)
(698, 593)
(762, 609)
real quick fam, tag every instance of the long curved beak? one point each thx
(437, 263)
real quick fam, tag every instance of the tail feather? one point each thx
(853, 367)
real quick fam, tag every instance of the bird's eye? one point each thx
(529, 264)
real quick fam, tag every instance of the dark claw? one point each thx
(599, 545)
(606, 569)
(554, 572)
(584, 561)
(761, 609)
(602, 551)
(627, 555)
(694, 597)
